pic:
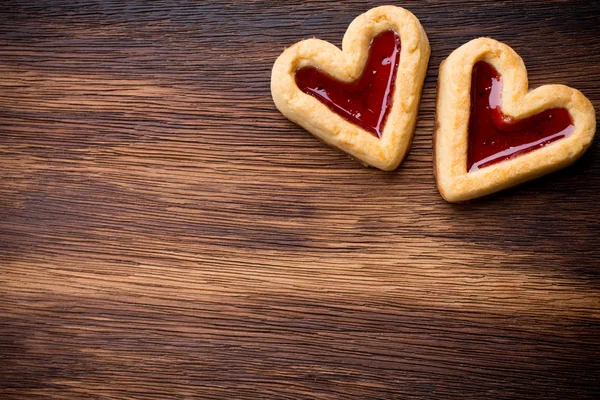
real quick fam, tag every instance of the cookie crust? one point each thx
(347, 65)
(452, 120)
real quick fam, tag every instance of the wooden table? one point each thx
(165, 233)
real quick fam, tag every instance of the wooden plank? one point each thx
(166, 233)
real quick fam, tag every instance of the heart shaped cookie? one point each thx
(491, 133)
(363, 99)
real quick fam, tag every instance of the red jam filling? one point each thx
(495, 137)
(367, 101)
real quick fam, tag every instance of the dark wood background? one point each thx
(165, 233)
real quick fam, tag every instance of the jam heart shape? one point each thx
(491, 133)
(494, 136)
(363, 99)
(367, 101)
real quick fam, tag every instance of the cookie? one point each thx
(363, 99)
(491, 133)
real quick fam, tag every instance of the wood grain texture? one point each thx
(166, 234)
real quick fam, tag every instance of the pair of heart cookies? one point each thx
(490, 132)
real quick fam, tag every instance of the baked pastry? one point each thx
(491, 134)
(363, 99)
